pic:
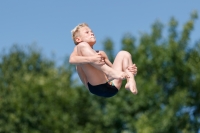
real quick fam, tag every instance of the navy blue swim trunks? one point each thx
(103, 90)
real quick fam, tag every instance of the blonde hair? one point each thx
(75, 31)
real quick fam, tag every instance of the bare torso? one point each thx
(89, 73)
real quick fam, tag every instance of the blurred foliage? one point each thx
(36, 96)
(108, 49)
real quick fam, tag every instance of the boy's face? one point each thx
(86, 35)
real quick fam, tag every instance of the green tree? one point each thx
(35, 97)
(108, 48)
(167, 80)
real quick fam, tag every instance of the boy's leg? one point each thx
(96, 74)
(122, 61)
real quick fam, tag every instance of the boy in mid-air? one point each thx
(97, 73)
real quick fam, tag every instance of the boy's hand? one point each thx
(97, 59)
(133, 69)
(103, 54)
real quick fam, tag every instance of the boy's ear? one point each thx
(78, 39)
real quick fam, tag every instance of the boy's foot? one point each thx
(131, 85)
(117, 75)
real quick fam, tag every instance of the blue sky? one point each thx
(48, 22)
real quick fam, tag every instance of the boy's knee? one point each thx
(125, 53)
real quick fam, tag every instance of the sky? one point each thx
(48, 23)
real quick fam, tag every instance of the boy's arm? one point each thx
(107, 61)
(77, 60)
